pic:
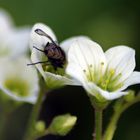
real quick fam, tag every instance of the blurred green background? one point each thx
(108, 22)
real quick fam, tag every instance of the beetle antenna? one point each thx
(42, 33)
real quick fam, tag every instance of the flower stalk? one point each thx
(110, 130)
(3, 120)
(109, 133)
(33, 118)
(98, 124)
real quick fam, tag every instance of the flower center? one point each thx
(50, 68)
(110, 82)
(105, 80)
(18, 86)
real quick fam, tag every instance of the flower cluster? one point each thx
(103, 75)
(76, 61)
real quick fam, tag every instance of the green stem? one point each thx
(46, 132)
(5, 114)
(3, 120)
(33, 118)
(109, 133)
(98, 124)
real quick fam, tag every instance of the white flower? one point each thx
(102, 74)
(17, 80)
(53, 78)
(13, 40)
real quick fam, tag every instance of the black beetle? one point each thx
(56, 56)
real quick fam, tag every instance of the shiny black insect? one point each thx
(56, 56)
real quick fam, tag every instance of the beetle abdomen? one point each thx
(55, 55)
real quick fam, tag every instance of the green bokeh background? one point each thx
(108, 22)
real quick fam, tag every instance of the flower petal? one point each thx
(30, 99)
(11, 37)
(15, 38)
(85, 56)
(40, 41)
(122, 60)
(11, 44)
(38, 56)
(25, 79)
(94, 90)
(65, 45)
(76, 72)
(55, 81)
(6, 23)
(132, 80)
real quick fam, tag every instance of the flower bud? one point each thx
(40, 126)
(62, 124)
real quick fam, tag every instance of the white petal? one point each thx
(38, 56)
(30, 99)
(17, 68)
(13, 41)
(40, 41)
(95, 90)
(84, 54)
(133, 79)
(122, 60)
(6, 23)
(6, 26)
(55, 81)
(65, 45)
(18, 41)
(76, 72)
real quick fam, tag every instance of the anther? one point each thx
(84, 71)
(102, 63)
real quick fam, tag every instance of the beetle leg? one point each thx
(40, 62)
(38, 49)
